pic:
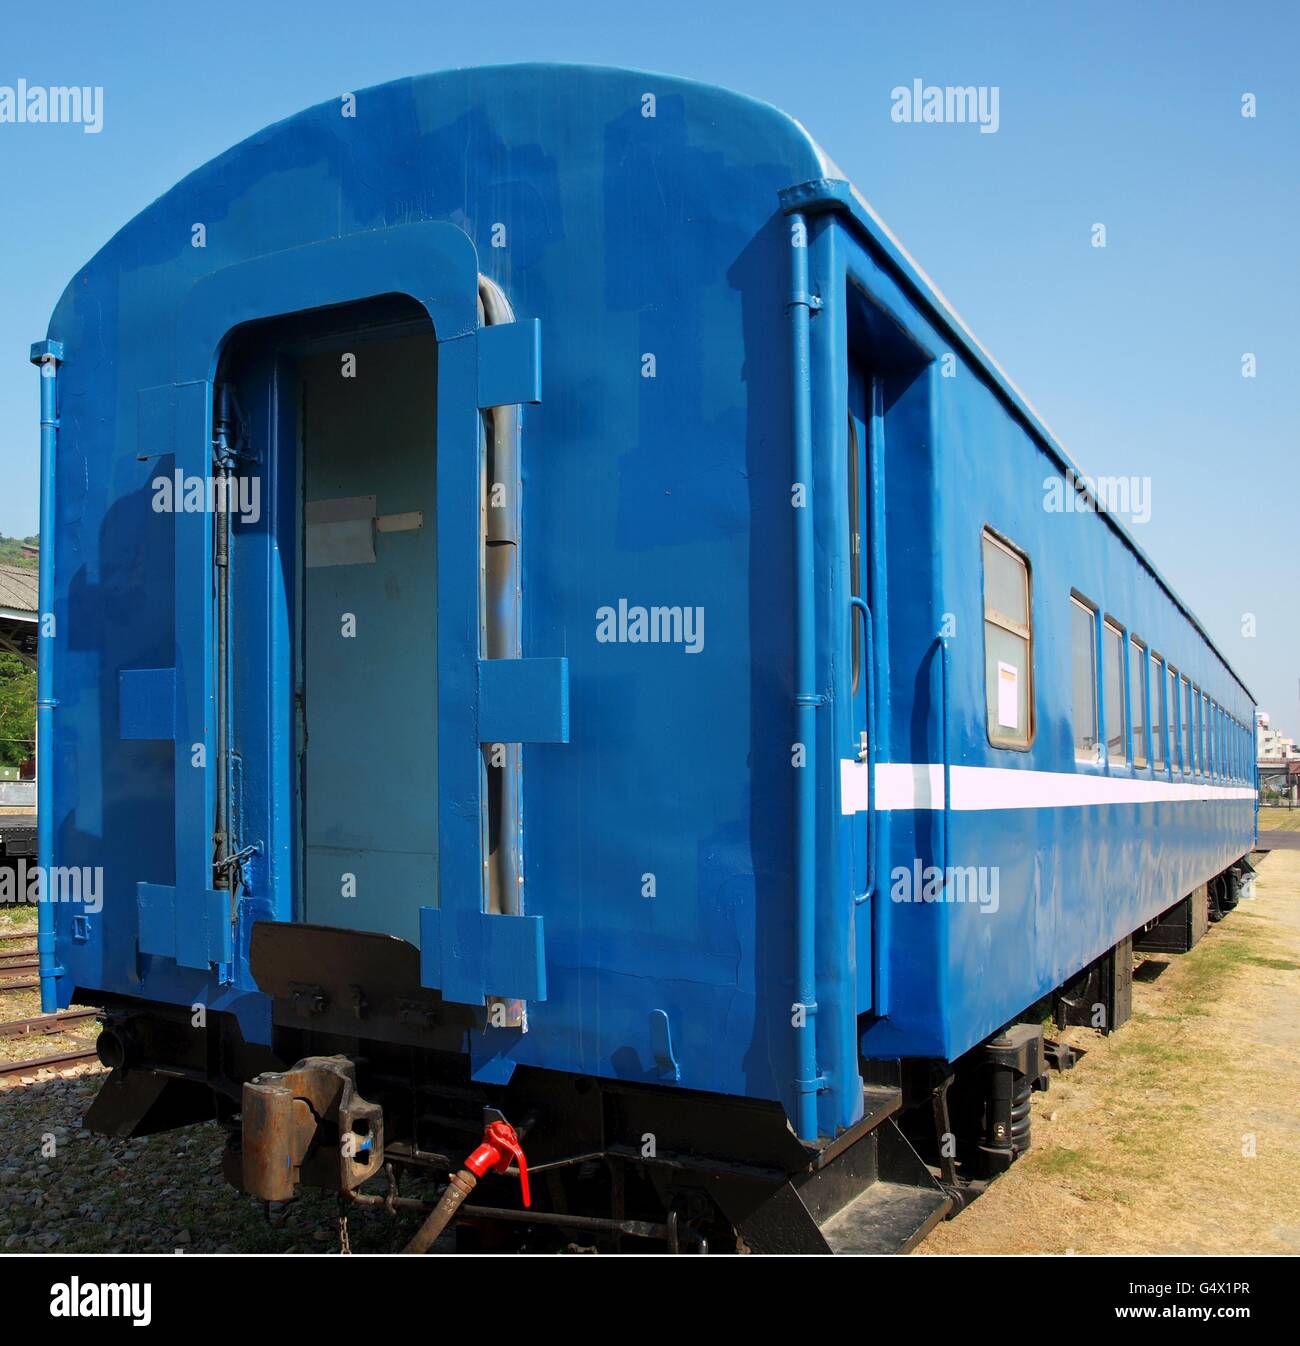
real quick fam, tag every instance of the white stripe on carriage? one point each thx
(919, 785)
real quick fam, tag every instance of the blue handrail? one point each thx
(808, 1081)
(859, 606)
(946, 758)
(46, 355)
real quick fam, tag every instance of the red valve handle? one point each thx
(499, 1148)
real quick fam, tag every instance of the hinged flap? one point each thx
(523, 700)
(470, 955)
(510, 363)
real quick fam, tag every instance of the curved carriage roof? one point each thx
(373, 159)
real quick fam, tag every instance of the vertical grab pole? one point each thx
(46, 355)
(947, 757)
(868, 663)
(800, 309)
(878, 596)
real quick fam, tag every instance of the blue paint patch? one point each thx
(147, 703)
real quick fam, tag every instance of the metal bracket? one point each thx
(661, 1043)
(309, 1125)
(470, 955)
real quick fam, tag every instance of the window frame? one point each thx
(1138, 697)
(1156, 711)
(1175, 717)
(1125, 758)
(1206, 763)
(1188, 739)
(1003, 621)
(1095, 759)
(1194, 720)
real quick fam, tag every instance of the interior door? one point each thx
(369, 666)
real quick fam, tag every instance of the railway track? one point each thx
(15, 962)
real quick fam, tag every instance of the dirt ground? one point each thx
(1181, 1133)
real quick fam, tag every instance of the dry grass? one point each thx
(1180, 1133)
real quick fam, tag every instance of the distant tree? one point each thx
(17, 711)
(12, 554)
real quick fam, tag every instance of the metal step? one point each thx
(867, 1192)
(889, 1217)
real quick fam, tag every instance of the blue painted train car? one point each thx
(550, 615)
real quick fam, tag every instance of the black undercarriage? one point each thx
(365, 1092)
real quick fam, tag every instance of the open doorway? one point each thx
(368, 640)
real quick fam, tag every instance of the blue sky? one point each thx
(1120, 113)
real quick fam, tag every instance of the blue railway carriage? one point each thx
(553, 625)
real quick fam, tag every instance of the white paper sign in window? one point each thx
(1008, 696)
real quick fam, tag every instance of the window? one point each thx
(1083, 666)
(1187, 728)
(1194, 723)
(1137, 690)
(1175, 719)
(1008, 645)
(1116, 712)
(1157, 718)
(1205, 734)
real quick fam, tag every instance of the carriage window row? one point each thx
(1147, 710)
(1149, 713)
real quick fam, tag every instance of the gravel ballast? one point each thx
(63, 1189)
